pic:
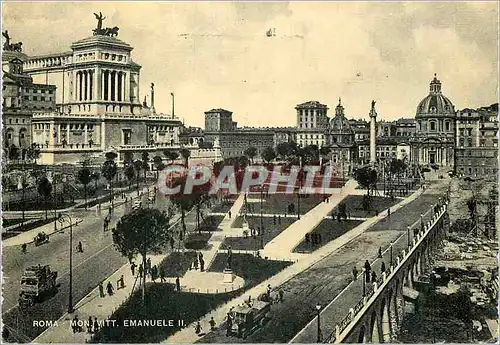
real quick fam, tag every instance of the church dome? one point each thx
(435, 103)
(339, 123)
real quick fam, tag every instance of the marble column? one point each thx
(109, 76)
(75, 86)
(85, 85)
(85, 138)
(103, 85)
(124, 83)
(116, 86)
(373, 129)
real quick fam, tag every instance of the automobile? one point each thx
(137, 205)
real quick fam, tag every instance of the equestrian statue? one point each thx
(100, 31)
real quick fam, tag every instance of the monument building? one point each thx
(434, 141)
(98, 103)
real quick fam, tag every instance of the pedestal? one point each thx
(228, 276)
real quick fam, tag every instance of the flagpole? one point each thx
(173, 104)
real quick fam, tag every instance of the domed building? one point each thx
(340, 139)
(435, 134)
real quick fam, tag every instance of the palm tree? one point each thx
(45, 189)
(84, 177)
(185, 153)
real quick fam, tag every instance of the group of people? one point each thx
(313, 238)
(152, 270)
(92, 325)
(109, 287)
(370, 275)
(198, 262)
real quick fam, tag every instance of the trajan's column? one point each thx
(373, 132)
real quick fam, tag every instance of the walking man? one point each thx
(382, 267)
(162, 274)
(202, 264)
(178, 284)
(389, 212)
(229, 214)
(380, 252)
(101, 290)
(172, 242)
(212, 323)
(148, 268)
(110, 288)
(89, 325)
(374, 277)
(120, 284)
(96, 325)
(154, 273)
(132, 268)
(141, 270)
(368, 269)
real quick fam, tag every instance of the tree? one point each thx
(185, 153)
(145, 165)
(158, 163)
(171, 155)
(33, 152)
(128, 158)
(14, 152)
(324, 151)
(287, 151)
(141, 232)
(268, 154)
(129, 174)
(367, 178)
(84, 177)
(109, 170)
(45, 189)
(138, 167)
(251, 153)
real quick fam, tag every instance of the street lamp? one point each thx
(390, 255)
(408, 233)
(318, 309)
(61, 219)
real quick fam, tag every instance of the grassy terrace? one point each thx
(354, 205)
(278, 203)
(329, 229)
(271, 230)
(163, 302)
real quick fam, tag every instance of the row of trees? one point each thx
(290, 152)
(16, 153)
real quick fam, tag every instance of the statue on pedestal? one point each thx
(229, 259)
(13, 47)
(100, 31)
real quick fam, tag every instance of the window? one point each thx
(433, 125)
(447, 125)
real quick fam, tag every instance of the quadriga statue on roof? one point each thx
(100, 31)
(14, 47)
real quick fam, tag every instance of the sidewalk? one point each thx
(282, 245)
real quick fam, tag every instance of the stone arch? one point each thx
(23, 138)
(374, 334)
(362, 335)
(385, 320)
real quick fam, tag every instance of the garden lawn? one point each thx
(329, 229)
(177, 264)
(161, 303)
(222, 208)
(196, 241)
(354, 204)
(10, 222)
(252, 269)
(271, 230)
(26, 227)
(211, 223)
(278, 203)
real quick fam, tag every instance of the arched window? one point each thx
(433, 125)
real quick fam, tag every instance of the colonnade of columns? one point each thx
(106, 85)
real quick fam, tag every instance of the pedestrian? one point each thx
(109, 288)
(101, 290)
(368, 268)
(148, 265)
(202, 265)
(89, 325)
(281, 294)
(172, 242)
(380, 252)
(389, 212)
(200, 256)
(74, 324)
(96, 325)
(212, 323)
(279, 219)
(374, 277)
(382, 267)
(178, 284)
(120, 283)
(376, 212)
(229, 214)
(141, 270)
(132, 268)
(195, 263)
(23, 248)
(79, 248)
(229, 324)
(154, 273)
(269, 291)
(355, 273)
(162, 274)
(274, 219)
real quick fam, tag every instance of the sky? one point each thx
(217, 54)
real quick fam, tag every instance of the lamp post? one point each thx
(364, 282)
(318, 309)
(61, 219)
(390, 255)
(408, 233)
